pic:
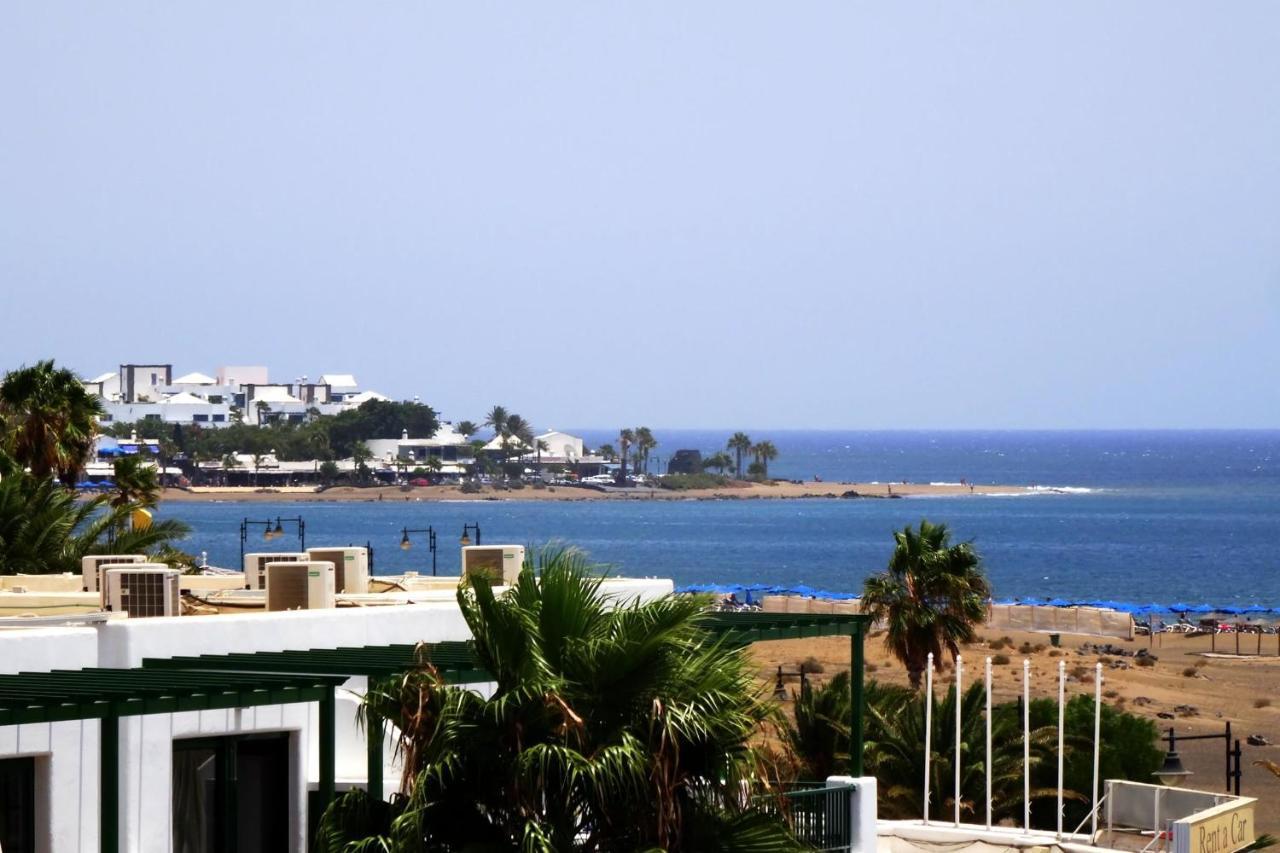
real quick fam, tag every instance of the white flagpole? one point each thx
(959, 671)
(1062, 715)
(1026, 745)
(1097, 744)
(988, 765)
(928, 730)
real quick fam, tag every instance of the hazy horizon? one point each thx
(837, 216)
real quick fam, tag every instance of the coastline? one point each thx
(734, 491)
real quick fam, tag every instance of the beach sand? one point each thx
(1222, 688)
(734, 491)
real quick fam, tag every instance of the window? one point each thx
(18, 805)
(151, 417)
(231, 794)
(200, 419)
(219, 419)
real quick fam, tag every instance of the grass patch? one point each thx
(997, 645)
(1189, 672)
(1110, 694)
(812, 664)
(1000, 660)
(1262, 703)
(1144, 661)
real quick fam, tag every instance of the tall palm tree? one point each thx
(136, 483)
(931, 596)
(47, 420)
(466, 429)
(739, 443)
(645, 442)
(625, 439)
(497, 419)
(611, 727)
(764, 453)
(606, 452)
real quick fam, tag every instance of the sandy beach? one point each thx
(1200, 691)
(737, 490)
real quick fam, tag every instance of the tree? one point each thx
(611, 727)
(764, 453)
(46, 529)
(606, 452)
(136, 483)
(328, 472)
(497, 419)
(466, 429)
(360, 454)
(625, 438)
(258, 460)
(931, 596)
(719, 461)
(48, 421)
(894, 753)
(739, 443)
(645, 442)
(263, 408)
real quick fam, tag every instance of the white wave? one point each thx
(940, 483)
(1062, 490)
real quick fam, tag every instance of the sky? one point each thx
(717, 214)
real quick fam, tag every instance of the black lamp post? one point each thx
(405, 544)
(466, 539)
(272, 531)
(1172, 771)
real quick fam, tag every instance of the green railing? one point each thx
(819, 817)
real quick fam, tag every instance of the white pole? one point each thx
(1026, 745)
(1062, 705)
(1097, 745)
(928, 730)
(959, 671)
(988, 765)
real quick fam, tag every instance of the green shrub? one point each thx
(684, 482)
(1000, 660)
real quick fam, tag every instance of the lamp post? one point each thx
(1172, 771)
(466, 539)
(272, 531)
(405, 544)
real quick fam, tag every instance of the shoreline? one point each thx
(734, 491)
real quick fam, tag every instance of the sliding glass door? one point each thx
(231, 794)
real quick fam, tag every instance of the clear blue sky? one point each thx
(1034, 214)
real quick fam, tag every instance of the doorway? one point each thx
(18, 805)
(231, 794)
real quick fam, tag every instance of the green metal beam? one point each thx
(374, 732)
(328, 749)
(857, 704)
(109, 784)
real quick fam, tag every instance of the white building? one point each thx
(57, 751)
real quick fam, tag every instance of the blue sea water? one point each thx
(1167, 516)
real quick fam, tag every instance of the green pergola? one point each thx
(110, 694)
(457, 663)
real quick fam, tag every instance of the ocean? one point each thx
(1138, 517)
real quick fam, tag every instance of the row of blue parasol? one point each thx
(750, 592)
(87, 485)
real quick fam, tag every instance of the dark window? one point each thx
(201, 419)
(218, 419)
(151, 417)
(18, 805)
(231, 794)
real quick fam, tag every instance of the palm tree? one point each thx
(466, 429)
(895, 754)
(258, 459)
(645, 442)
(718, 461)
(931, 596)
(47, 421)
(136, 483)
(625, 439)
(229, 463)
(764, 453)
(606, 452)
(47, 529)
(611, 727)
(739, 443)
(497, 419)
(262, 407)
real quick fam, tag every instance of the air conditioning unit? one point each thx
(351, 567)
(91, 567)
(142, 590)
(300, 586)
(255, 566)
(501, 564)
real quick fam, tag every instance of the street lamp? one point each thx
(466, 540)
(405, 544)
(1172, 771)
(272, 531)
